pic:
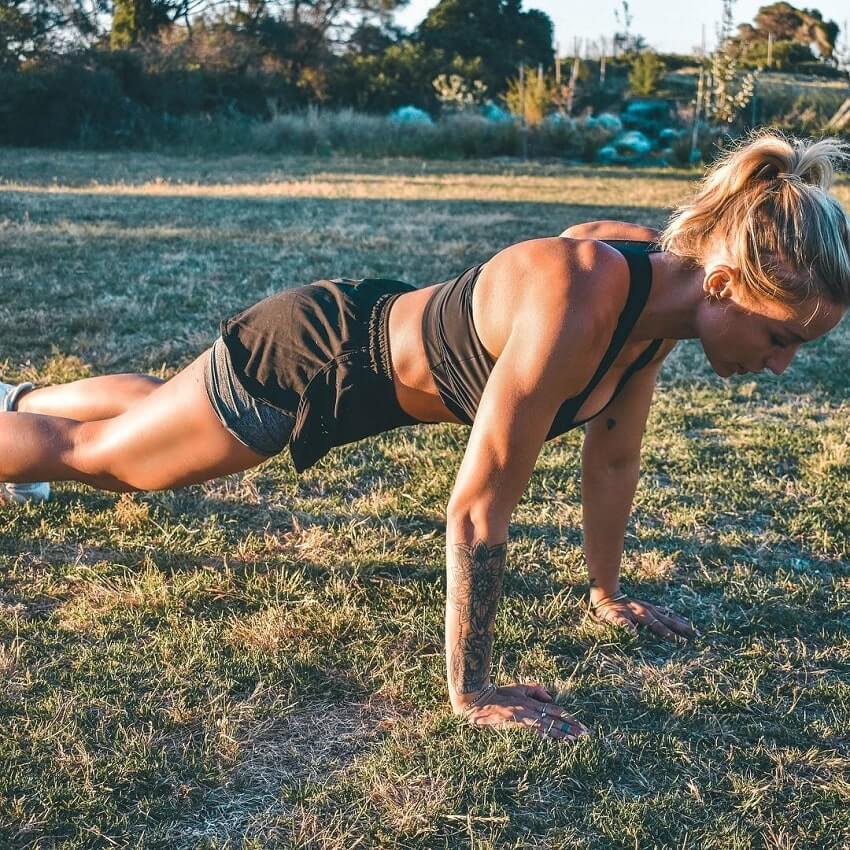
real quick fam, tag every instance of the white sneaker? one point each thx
(38, 491)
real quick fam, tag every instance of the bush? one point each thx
(458, 135)
(645, 74)
(785, 55)
(820, 69)
(67, 102)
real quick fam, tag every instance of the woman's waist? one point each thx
(416, 389)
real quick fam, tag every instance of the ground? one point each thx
(258, 662)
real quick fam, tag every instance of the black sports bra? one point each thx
(461, 365)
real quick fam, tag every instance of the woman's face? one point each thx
(741, 335)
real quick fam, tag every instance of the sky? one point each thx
(668, 27)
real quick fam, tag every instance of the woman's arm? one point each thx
(610, 229)
(610, 471)
(524, 391)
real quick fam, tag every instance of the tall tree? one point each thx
(787, 23)
(31, 27)
(498, 32)
(305, 34)
(134, 21)
(17, 33)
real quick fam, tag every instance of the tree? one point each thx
(134, 21)
(725, 92)
(309, 36)
(625, 41)
(787, 23)
(17, 31)
(498, 32)
(31, 27)
(645, 73)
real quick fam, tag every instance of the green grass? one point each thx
(257, 662)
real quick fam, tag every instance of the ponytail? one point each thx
(768, 201)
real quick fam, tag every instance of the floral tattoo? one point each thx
(477, 571)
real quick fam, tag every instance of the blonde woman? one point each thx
(547, 335)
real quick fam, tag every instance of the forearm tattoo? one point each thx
(474, 589)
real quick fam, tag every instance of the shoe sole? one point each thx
(21, 493)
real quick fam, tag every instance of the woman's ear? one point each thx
(720, 281)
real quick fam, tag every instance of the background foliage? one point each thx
(139, 72)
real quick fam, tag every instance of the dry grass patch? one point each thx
(199, 668)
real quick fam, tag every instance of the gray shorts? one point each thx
(255, 423)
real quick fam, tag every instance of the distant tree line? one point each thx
(293, 52)
(116, 65)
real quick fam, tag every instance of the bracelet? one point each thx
(608, 600)
(486, 691)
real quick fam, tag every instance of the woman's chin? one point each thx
(725, 370)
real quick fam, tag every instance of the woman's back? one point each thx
(451, 334)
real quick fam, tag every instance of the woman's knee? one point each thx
(96, 457)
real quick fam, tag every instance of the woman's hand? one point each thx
(526, 706)
(621, 610)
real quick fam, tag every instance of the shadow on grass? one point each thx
(696, 577)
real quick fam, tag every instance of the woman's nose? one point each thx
(781, 358)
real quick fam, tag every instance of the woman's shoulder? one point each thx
(555, 286)
(556, 269)
(612, 229)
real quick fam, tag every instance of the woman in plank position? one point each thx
(541, 338)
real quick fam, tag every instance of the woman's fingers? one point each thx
(517, 706)
(661, 621)
(656, 626)
(621, 619)
(674, 621)
(556, 729)
(552, 717)
(537, 691)
(552, 711)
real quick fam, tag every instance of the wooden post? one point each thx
(697, 109)
(573, 82)
(523, 127)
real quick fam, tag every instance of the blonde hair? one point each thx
(768, 201)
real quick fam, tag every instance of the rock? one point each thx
(494, 112)
(632, 144)
(410, 115)
(609, 121)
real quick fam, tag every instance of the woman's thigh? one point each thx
(171, 438)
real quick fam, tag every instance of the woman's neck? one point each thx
(675, 297)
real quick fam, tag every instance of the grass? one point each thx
(257, 662)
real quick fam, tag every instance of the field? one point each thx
(257, 663)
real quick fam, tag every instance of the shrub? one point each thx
(533, 97)
(645, 74)
(63, 103)
(453, 136)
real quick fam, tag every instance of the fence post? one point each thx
(523, 127)
(697, 107)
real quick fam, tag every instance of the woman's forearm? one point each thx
(606, 494)
(475, 566)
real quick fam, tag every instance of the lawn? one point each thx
(258, 662)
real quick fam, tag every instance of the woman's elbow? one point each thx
(477, 520)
